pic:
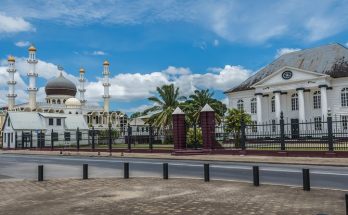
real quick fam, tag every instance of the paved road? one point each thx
(25, 167)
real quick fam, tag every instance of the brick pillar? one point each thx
(179, 129)
(207, 118)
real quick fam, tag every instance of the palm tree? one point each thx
(164, 106)
(196, 102)
(194, 105)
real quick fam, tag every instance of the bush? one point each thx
(190, 138)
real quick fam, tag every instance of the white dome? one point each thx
(72, 102)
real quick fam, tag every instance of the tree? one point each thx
(136, 115)
(193, 106)
(164, 106)
(233, 123)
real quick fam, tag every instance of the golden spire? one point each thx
(82, 70)
(106, 63)
(11, 58)
(32, 48)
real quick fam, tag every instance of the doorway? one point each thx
(295, 132)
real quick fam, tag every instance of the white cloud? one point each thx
(127, 86)
(283, 51)
(22, 43)
(14, 24)
(232, 20)
(216, 42)
(98, 53)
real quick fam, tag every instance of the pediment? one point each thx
(288, 75)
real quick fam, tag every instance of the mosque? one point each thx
(61, 99)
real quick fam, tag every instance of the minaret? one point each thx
(11, 82)
(32, 75)
(106, 85)
(82, 89)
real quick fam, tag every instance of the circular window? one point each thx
(287, 75)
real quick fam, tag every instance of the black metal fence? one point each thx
(319, 134)
(109, 139)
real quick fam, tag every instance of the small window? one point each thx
(317, 123)
(59, 121)
(273, 104)
(294, 101)
(253, 108)
(12, 137)
(344, 97)
(54, 136)
(273, 125)
(316, 100)
(79, 135)
(240, 105)
(344, 120)
(50, 121)
(67, 136)
(9, 122)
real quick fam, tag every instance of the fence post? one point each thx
(40, 173)
(31, 139)
(306, 180)
(40, 140)
(329, 131)
(207, 119)
(129, 137)
(85, 171)
(282, 133)
(22, 141)
(206, 172)
(126, 170)
(256, 176)
(110, 138)
(243, 137)
(165, 170)
(346, 197)
(150, 138)
(78, 139)
(52, 141)
(93, 139)
(16, 139)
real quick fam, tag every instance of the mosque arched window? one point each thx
(58, 101)
(53, 101)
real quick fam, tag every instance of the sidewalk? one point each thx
(157, 196)
(229, 158)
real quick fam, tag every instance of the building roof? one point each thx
(60, 86)
(72, 122)
(35, 120)
(26, 121)
(331, 59)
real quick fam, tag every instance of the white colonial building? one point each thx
(304, 85)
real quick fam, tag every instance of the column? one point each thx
(277, 104)
(259, 107)
(207, 118)
(323, 100)
(301, 106)
(179, 129)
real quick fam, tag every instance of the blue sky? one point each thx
(193, 44)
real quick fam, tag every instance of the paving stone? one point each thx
(156, 196)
